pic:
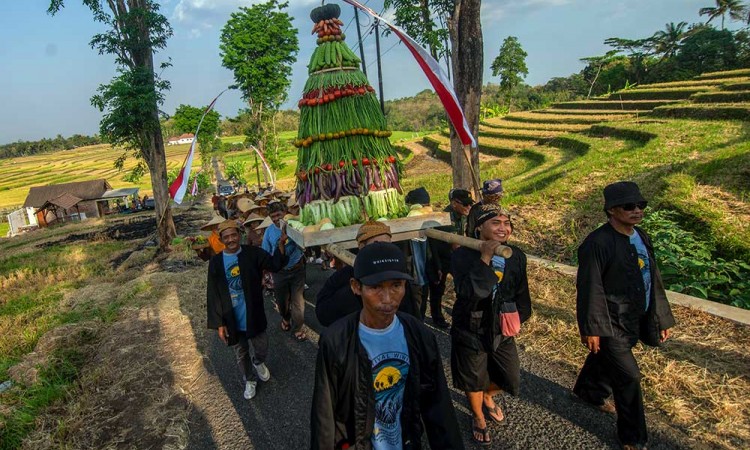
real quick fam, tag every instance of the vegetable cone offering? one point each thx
(346, 167)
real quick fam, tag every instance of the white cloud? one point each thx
(498, 9)
(197, 16)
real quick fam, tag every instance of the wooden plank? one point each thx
(399, 228)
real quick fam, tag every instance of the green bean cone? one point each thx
(347, 169)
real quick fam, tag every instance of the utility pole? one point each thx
(257, 170)
(359, 36)
(380, 68)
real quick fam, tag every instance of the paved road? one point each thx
(542, 417)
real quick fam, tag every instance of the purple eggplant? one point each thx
(376, 178)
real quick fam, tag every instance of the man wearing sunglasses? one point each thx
(620, 299)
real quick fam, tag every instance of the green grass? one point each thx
(677, 93)
(707, 111)
(4, 228)
(724, 74)
(53, 385)
(714, 154)
(627, 105)
(722, 97)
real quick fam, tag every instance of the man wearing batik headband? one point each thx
(620, 299)
(492, 300)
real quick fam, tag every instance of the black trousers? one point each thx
(614, 371)
(436, 292)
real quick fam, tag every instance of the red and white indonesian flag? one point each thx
(438, 78)
(179, 186)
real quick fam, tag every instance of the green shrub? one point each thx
(687, 264)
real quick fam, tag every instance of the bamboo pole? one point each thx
(343, 255)
(464, 241)
(348, 257)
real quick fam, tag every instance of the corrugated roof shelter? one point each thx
(85, 190)
(120, 193)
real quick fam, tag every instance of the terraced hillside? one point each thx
(558, 159)
(718, 95)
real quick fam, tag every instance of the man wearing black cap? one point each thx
(379, 381)
(460, 205)
(620, 299)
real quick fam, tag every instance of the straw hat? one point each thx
(291, 202)
(267, 222)
(276, 192)
(217, 219)
(253, 218)
(244, 204)
(255, 207)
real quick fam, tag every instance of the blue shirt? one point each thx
(389, 356)
(232, 273)
(498, 265)
(271, 241)
(643, 263)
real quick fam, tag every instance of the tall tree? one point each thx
(186, 120)
(510, 65)
(666, 42)
(259, 44)
(130, 102)
(467, 56)
(735, 8)
(421, 19)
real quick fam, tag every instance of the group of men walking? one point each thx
(379, 380)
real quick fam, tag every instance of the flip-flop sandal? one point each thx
(484, 431)
(285, 326)
(494, 413)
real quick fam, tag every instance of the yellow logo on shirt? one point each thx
(387, 378)
(235, 271)
(641, 263)
(499, 276)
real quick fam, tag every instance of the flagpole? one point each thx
(361, 46)
(380, 68)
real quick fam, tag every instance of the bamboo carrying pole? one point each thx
(348, 257)
(463, 241)
(343, 255)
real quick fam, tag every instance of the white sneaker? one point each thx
(319, 261)
(263, 373)
(250, 389)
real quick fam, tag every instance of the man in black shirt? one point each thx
(620, 299)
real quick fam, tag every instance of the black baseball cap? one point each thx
(378, 262)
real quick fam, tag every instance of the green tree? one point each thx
(423, 20)
(735, 8)
(130, 102)
(259, 45)
(666, 42)
(186, 119)
(510, 66)
(708, 50)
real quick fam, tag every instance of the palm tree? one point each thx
(667, 41)
(735, 8)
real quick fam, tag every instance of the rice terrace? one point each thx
(320, 131)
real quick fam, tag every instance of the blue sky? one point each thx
(48, 72)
